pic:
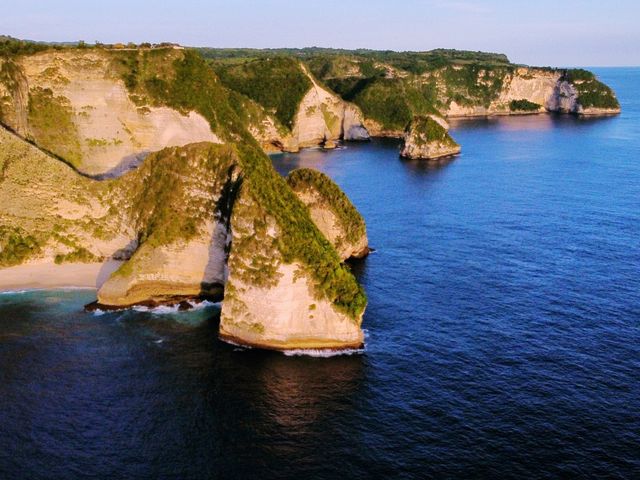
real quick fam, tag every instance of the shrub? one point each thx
(523, 105)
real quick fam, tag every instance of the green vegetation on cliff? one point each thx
(182, 80)
(592, 93)
(523, 105)
(10, 47)
(16, 246)
(300, 240)
(426, 130)
(159, 192)
(350, 219)
(391, 88)
(393, 102)
(51, 125)
(278, 84)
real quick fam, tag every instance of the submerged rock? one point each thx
(427, 139)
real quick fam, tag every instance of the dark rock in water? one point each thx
(183, 303)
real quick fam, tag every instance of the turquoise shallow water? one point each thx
(503, 334)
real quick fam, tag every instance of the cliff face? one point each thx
(392, 88)
(427, 139)
(273, 302)
(230, 237)
(203, 220)
(74, 104)
(331, 211)
(51, 214)
(323, 119)
(539, 91)
(297, 112)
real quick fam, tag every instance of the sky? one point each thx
(542, 32)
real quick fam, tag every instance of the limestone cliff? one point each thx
(331, 211)
(203, 220)
(297, 111)
(391, 88)
(535, 90)
(427, 139)
(323, 118)
(226, 220)
(75, 104)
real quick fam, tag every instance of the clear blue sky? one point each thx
(540, 32)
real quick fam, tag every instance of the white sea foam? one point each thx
(56, 289)
(235, 344)
(322, 353)
(168, 309)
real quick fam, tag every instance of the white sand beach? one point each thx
(50, 275)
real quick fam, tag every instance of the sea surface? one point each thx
(503, 334)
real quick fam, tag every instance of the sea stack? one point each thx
(427, 139)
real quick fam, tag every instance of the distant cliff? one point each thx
(386, 90)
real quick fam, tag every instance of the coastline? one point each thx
(33, 276)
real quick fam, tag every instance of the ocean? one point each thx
(502, 333)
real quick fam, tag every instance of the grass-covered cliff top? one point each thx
(424, 130)
(278, 84)
(430, 58)
(592, 92)
(352, 223)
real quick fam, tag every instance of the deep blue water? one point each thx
(503, 334)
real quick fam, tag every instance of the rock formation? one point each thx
(331, 211)
(427, 139)
(311, 116)
(197, 221)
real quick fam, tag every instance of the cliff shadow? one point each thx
(128, 163)
(216, 270)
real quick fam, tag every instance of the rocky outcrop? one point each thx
(286, 316)
(273, 302)
(199, 221)
(427, 139)
(331, 211)
(324, 118)
(544, 90)
(177, 202)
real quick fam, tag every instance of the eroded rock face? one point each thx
(272, 303)
(322, 119)
(208, 229)
(426, 139)
(286, 316)
(331, 211)
(549, 90)
(178, 203)
(104, 130)
(51, 214)
(323, 116)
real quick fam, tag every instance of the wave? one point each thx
(322, 353)
(44, 289)
(162, 309)
(168, 309)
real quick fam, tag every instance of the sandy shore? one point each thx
(50, 275)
